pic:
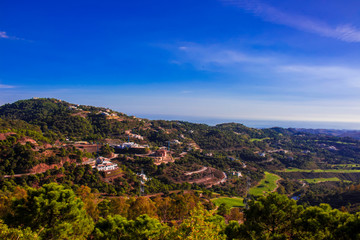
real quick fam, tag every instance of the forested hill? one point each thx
(68, 120)
(60, 120)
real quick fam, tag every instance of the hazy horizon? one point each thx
(212, 121)
(254, 123)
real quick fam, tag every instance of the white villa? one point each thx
(102, 164)
(131, 145)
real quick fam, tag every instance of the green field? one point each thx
(318, 180)
(338, 142)
(231, 202)
(258, 139)
(345, 166)
(322, 170)
(266, 185)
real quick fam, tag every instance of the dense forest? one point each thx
(58, 212)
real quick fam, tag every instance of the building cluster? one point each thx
(136, 136)
(333, 148)
(108, 114)
(142, 177)
(130, 145)
(235, 173)
(161, 156)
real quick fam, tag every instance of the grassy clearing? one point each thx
(213, 194)
(345, 166)
(318, 180)
(266, 185)
(338, 142)
(231, 202)
(258, 139)
(322, 170)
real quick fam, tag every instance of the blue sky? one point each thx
(294, 60)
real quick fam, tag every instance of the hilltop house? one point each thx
(103, 164)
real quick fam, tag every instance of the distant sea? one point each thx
(260, 123)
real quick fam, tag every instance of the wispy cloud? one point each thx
(271, 71)
(343, 32)
(2, 86)
(4, 35)
(337, 75)
(211, 57)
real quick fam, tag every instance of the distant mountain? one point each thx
(332, 132)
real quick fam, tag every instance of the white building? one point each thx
(131, 145)
(106, 166)
(103, 164)
(238, 174)
(136, 136)
(128, 145)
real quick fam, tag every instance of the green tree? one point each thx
(232, 230)
(271, 217)
(323, 222)
(119, 228)
(104, 208)
(53, 211)
(201, 224)
(223, 209)
(106, 150)
(16, 233)
(113, 227)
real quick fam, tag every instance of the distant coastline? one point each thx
(259, 123)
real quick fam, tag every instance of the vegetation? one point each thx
(266, 185)
(55, 212)
(230, 202)
(52, 211)
(66, 120)
(323, 170)
(317, 180)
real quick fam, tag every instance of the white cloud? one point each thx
(3, 35)
(347, 33)
(337, 75)
(226, 60)
(6, 86)
(6, 36)
(210, 56)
